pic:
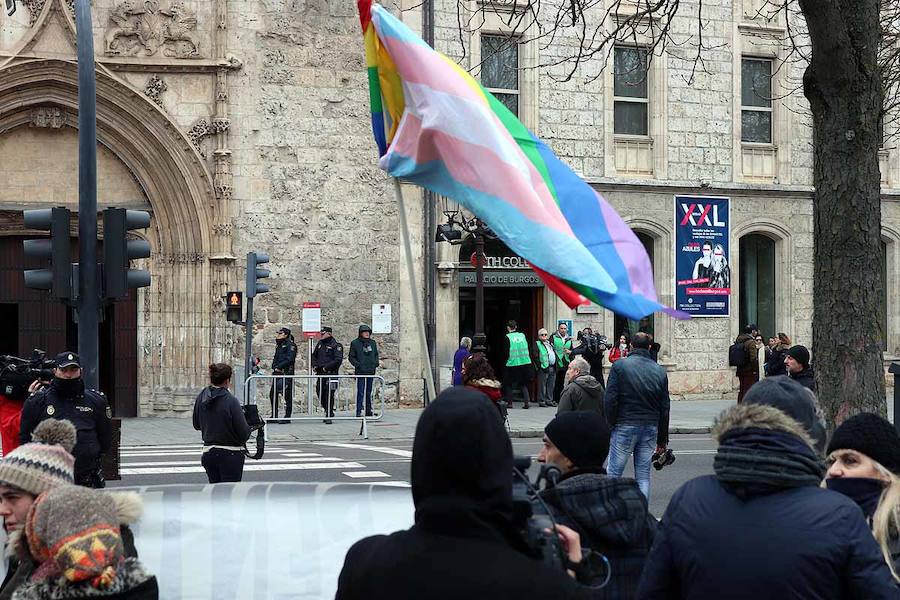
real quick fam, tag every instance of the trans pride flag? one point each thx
(437, 127)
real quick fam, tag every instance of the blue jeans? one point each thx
(364, 389)
(639, 440)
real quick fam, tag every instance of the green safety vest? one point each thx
(518, 350)
(559, 345)
(543, 354)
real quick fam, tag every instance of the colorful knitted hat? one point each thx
(73, 532)
(45, 463)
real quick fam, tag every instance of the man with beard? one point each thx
(66, 398)
(464, 542)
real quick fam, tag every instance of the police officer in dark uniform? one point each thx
(283, 364)
(66, 398)
(326, 360)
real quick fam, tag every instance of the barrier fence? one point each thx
(313, 395)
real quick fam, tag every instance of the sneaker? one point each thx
(328, 421)
(526, 406)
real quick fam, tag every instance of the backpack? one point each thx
(737, 355)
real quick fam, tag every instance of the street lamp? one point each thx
(452, 232)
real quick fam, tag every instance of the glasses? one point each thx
(543, 335)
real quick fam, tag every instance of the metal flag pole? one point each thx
(414, 291)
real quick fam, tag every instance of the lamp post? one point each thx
(452, 232)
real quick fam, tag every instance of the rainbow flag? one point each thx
(439, 128)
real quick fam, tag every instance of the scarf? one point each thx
(753, 461)
(864, 491)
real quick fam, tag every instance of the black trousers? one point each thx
(285, 388)
(223, 465)
(326, 397)
(560, 382)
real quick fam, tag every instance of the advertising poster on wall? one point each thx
(702, 255)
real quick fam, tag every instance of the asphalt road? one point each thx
(373, 461)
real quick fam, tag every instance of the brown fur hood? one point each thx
(759, 416)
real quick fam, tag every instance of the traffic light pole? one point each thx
(248, 343)
(88, 287)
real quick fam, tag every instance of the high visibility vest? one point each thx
(518, 350)
(559, 346)
(543, 354)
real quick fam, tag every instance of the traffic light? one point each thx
(235, 307)
(58, 278)
(117, 251)
(254, 273)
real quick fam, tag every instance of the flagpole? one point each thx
(414, 290)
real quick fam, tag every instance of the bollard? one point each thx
(894, 369)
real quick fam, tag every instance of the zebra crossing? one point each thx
(184, 460)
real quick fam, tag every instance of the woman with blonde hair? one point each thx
(775, 365)
(864, 464)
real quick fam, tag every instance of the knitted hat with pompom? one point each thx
(44, 463)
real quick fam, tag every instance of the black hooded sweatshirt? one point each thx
(218, 415)
(463, 543)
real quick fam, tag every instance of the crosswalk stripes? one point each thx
(181, 459)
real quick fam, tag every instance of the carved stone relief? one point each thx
(154, 89)
(143, 30)
(34, 10)
(198, 132)
(48, 116)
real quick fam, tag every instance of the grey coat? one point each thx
(582, 393)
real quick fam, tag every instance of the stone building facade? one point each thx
(245, 126)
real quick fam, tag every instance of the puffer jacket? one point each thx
(582, 393)
(612, 518)
(762, 527)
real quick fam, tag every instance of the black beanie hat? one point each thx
(800, 354)
(871, 435)
(582, 436)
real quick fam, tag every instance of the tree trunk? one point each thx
(843, 84)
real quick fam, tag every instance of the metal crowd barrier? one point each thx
(343, 397)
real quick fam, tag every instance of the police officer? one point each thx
(66, 398)
(283, 364)
(326, 360)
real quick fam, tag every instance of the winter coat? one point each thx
(489, 387)
(131, 583)
(611, 516)
(10, 422)
(327, 356)
(762, 527)
(285, 357)
(752, 364)
(458, 359)
(637, 393)
(775, 363)
(218, 415)
(463, 543)
(616, 353)
(806, 378)
(363, 356)
(582, 393)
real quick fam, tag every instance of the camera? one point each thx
(543, 545)
(662, 459)
(17, 374)
(593, 343)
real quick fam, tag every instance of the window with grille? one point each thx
(500, 68)
(756, 100)
(631, 101)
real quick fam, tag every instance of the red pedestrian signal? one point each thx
(235, 307)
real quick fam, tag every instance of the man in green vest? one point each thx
(518, 370)
(562, 345)
(545, 361)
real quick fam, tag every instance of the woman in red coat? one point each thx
(620, 351)
(478, 375)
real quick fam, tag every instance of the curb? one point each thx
(536, 433)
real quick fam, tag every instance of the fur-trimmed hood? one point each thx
(759, 416)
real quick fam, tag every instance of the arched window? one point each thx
(757, 283)
(629, 326)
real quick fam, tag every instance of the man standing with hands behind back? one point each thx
(326, 360)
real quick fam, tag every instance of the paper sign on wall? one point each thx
(381, 318)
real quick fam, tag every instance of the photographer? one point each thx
(464, 543)
(610, 514)
(218, 415)
(67, 398)
(592, 348)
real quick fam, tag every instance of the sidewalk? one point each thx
(688, 416)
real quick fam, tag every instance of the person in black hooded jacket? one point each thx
(761, 527)
(463, 543)
(219, 418)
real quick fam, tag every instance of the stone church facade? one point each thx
(245, 126)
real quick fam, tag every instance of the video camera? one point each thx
(17, 374)
(593, 343)
(543, 545)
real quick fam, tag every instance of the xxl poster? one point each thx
(702, 253)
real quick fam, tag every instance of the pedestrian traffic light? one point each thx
(58, 278)
(234, 311)
(117, 251)
(254, 273)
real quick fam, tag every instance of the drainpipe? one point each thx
(430, 227)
